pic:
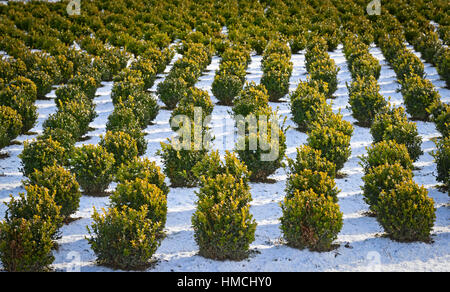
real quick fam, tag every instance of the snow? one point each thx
(361, 246)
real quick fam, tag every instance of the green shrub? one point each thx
(93, 166)
(38, 201)
(264, 159)
(406, 213)
(145, 108)
(124, 239)
(442, 159)
(226, 87)
(178, 164)
(386, 152)
(310, 220)
(443, 66)
(62, 136)
(394, 125)
(365, 66)
(10, 125)
(87, 82)
(128, 82)
(65, 121)
(20, 95)
(334, 145)
(223, 225)
(40, 153)
(365, 100)
(276, 47)
(147, 69)
(318, 182)
(325, 70)
(195, 98)
(308, 105)
(62, 184)
(407, 64)
(440, 116)
(144, 169)
(312, 159)
(83, 110)
(277, 70)
(211, 166)
(251, 99)
(384, 177)
(171, 90)
(138, 193)
(123, 119)
(68, 92)
(26, 245)
(121, 145)
(418, 95)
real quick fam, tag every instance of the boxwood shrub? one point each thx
(93, 166)
(406, 213)
(124, 238)
(10, 125)
(308, 158)
(317, 181)
(310, 220)
(394, 125)
(384, 177)
(386, 152)
(223, 225)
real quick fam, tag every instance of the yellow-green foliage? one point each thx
(310, 220)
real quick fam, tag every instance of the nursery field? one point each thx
(356, 108)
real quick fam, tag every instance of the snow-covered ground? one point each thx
(361, 246)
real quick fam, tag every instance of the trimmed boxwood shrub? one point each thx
(87, 82)
(442, 159)
(60, 135)
(307, 105)
(223, 225)
(124, 238)
(418, 95)
(226, 87)
(384, 177)
(250, 100)
(312, 159)
(317, 181)
(211, 166)
(261, 161)
(277, 70)
(407, 64)
(62, 184)
(138, 193)
(65, 121)
(10, 125)
(123, 119)
(20, 95)
(83, 110)
(178, 164)
(26, 245)
(128, 82)
(406, 213)
(38, 201)
(144, 169)
(386, 152)
(147, 69)
(394, 125)
(334, 145)
(365, 65)
(194, 98)
(40, 153)
(93, 166)
(440, 116)
(443, 66)
(121, 145)
(310, 220)
(171, 90)
(365, 100)
(325, 70)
